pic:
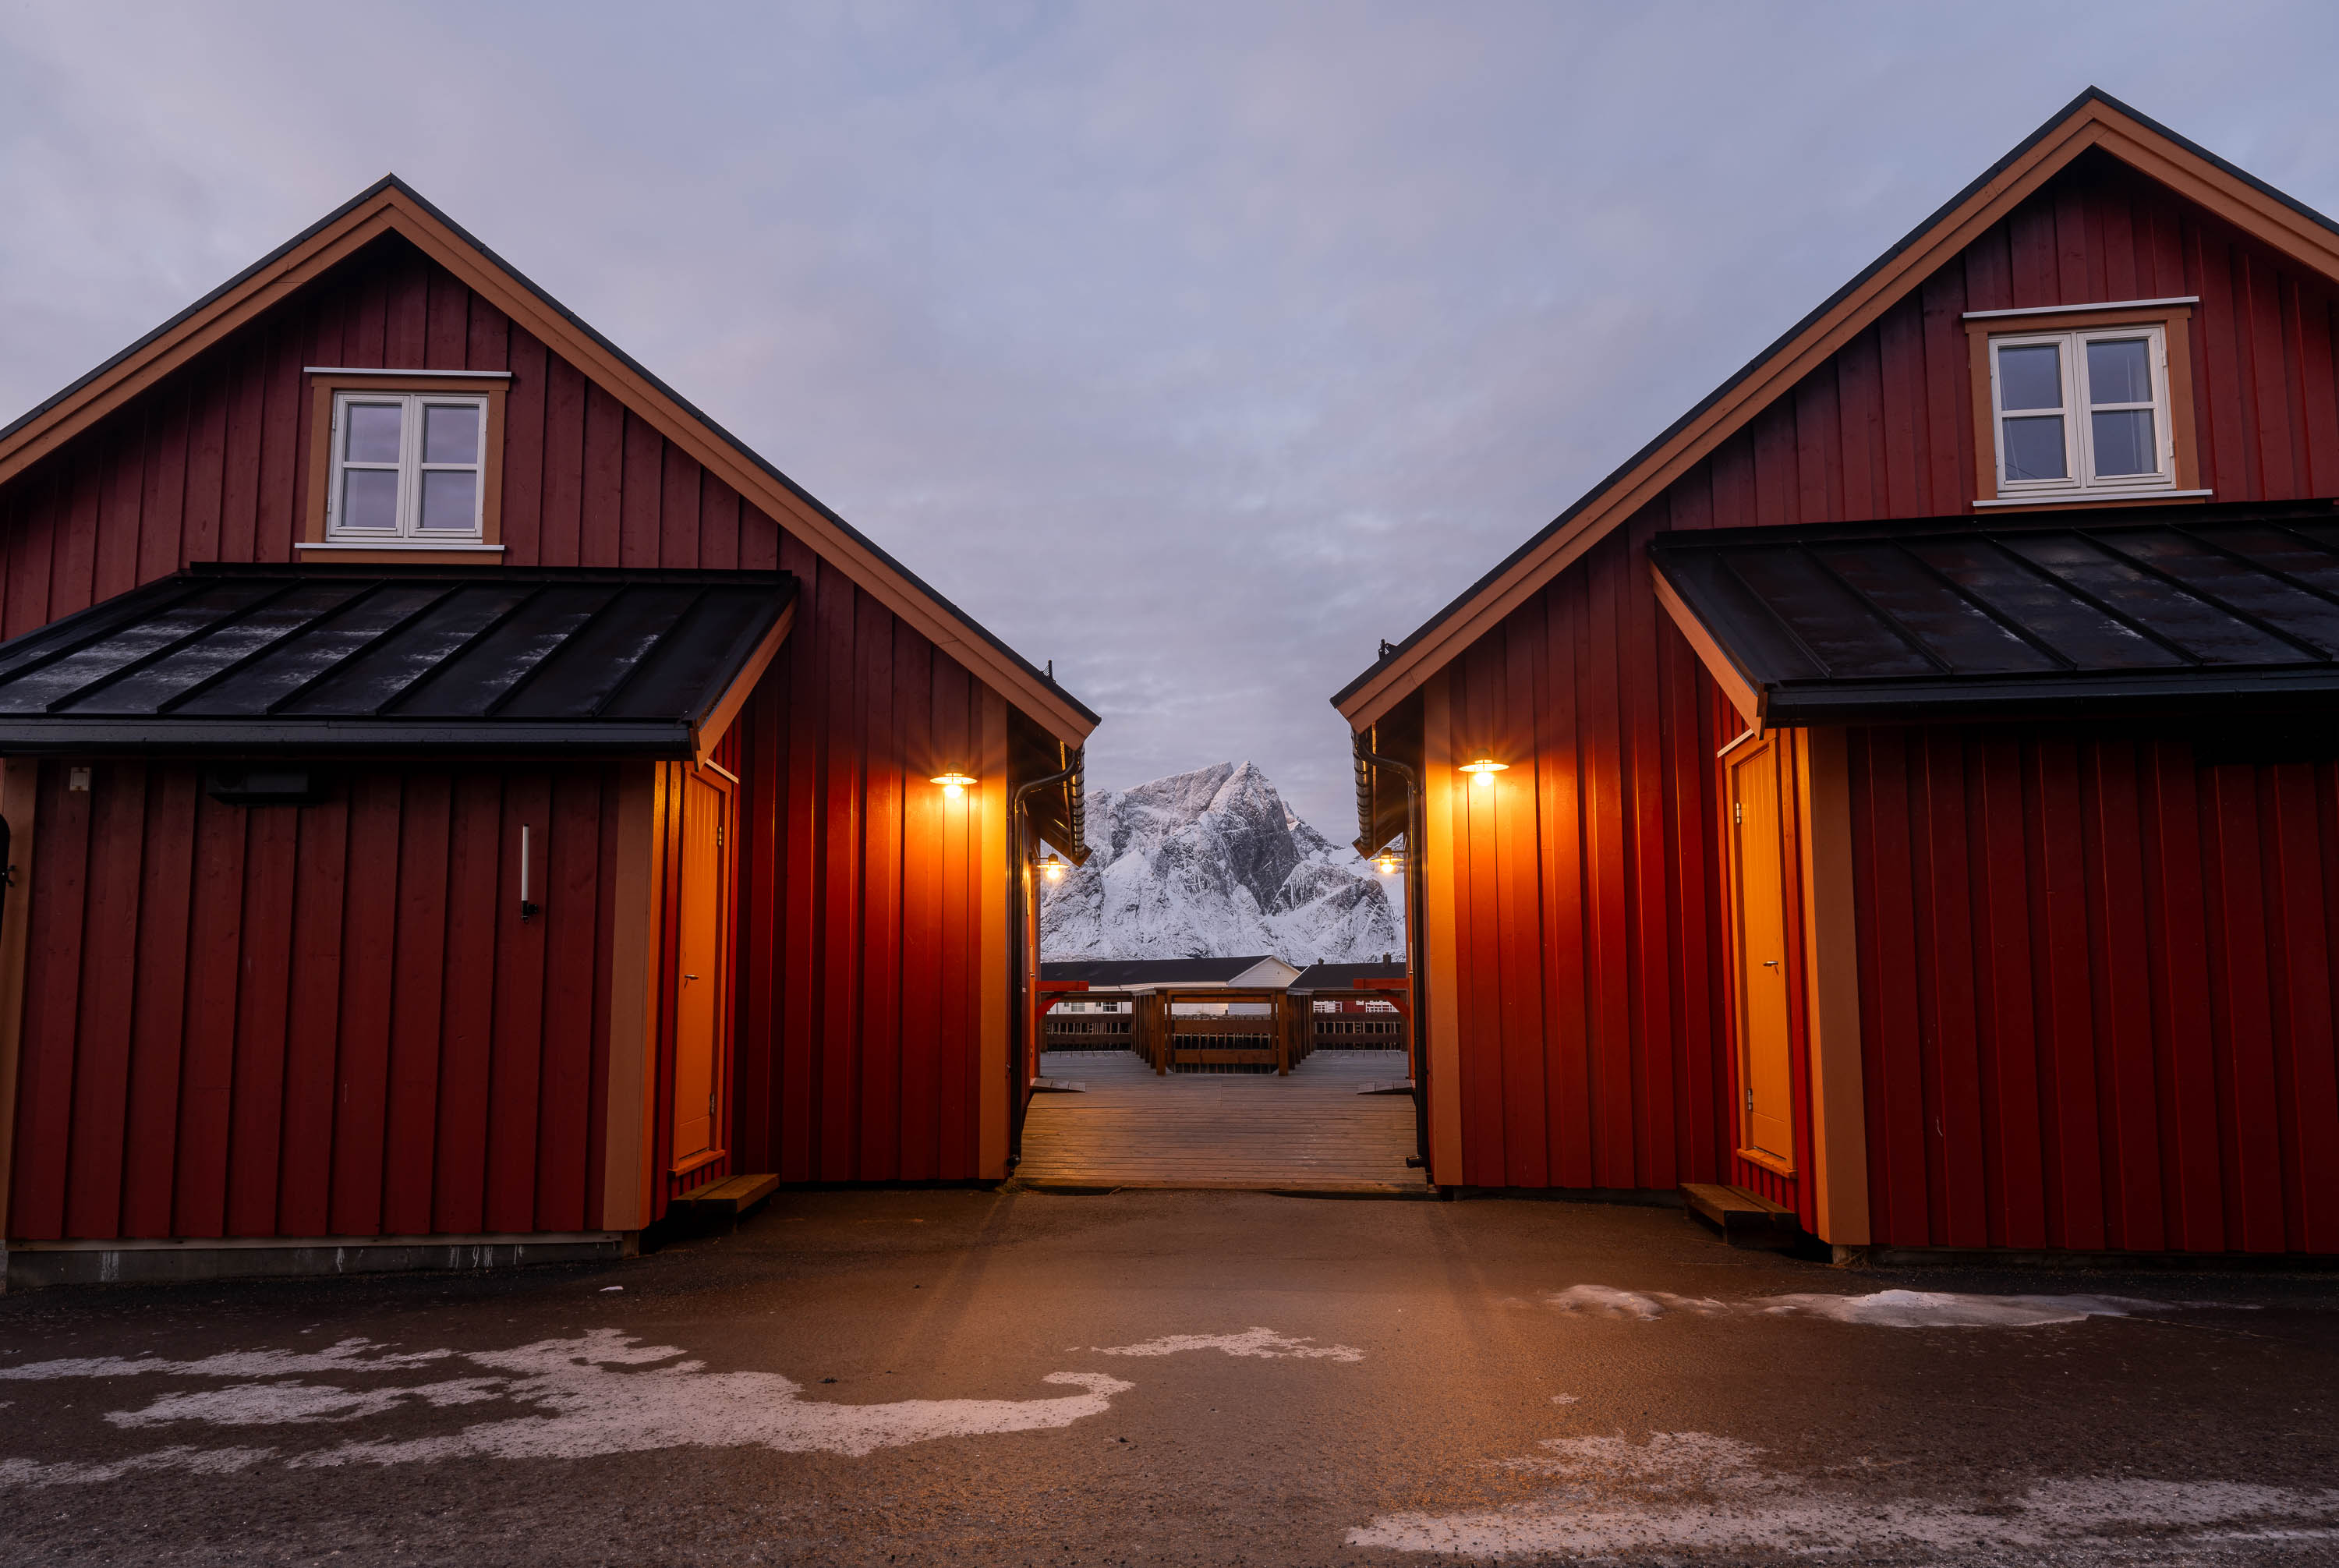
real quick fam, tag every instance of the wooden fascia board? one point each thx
(131, 374)
(391, 209)
(711, 730)
(2094, 125)
(1743, 694)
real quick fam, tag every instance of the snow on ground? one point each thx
(1695, 1491)
(1878, 1309)
(602, 1392)
(1261, 1342)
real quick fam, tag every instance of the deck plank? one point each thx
(1311, 1130)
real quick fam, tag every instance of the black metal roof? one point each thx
(2145, 610)
(1344, 976)
(314, 660)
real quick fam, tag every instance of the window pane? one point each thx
(373, 431)
(2030, 377)
(369, 498)
(450, 499)
(2124, 443)
(2034, 449)
(450, 434)
(2119, 372)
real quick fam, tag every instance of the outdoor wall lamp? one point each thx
(1485, 768)
(1052, 868)
(1387, 864)
(954, 785)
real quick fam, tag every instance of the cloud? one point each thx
(1195, 346)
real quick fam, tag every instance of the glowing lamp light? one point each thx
(954, 785)
(1051, 868)
(1485, 768)
(1387, 864)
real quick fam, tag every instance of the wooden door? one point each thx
(700, 978)
(1759, 932)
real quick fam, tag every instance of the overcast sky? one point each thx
(1194, 347)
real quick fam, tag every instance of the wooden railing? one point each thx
(1359, 1025)
(1085, 1030)
(1229, 1030)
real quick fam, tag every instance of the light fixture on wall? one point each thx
(1485, 768)
(1388, 864)
(1052, 868)
(954, 785)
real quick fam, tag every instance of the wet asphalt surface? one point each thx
(1450, 1412)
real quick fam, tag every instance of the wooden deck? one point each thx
(1311, 1131)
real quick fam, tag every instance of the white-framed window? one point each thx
(408, 467)
(2083, 412)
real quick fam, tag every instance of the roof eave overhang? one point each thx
(389, 206)
(2191, 695)
(406, 741)
(2094, 120)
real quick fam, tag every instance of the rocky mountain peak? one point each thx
(1213, 863)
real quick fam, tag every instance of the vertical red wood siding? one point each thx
(860, 906)
(265, 1022)
(343, 928)
(1594, 1041)
(2140, 1055)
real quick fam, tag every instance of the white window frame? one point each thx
(408, 534)
(2079, 428)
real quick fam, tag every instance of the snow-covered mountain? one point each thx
(1213, 864)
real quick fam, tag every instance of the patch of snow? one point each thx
(1607, 1301)
(349, 1355)
(1878, 1309)
(1212, 863)
(1943, 1309)
(71, 1472)
(1262, 1342)
(1690, 1490)
(275, 1404)
(600, 1392)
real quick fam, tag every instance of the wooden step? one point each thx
(1058, 1086)
(1744, 1219)
(727, 1199)
(1394, 1086)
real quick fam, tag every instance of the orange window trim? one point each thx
(2176, 322)
(323, 387)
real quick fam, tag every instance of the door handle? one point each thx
(1767, 963)
(694, 977)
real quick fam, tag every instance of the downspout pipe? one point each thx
(1414, 977)
(1019, 899)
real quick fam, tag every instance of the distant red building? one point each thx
(459, 797)
(1906, 789)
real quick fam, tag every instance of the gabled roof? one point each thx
(331, 660)
(391, 206)
(1140, 971)
(2218, 612)
(1344, 976)
(2094, 120)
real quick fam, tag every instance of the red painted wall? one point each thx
(1594, 1044)
(860, 919)
(2096, 994)
(855, 896)
(314, 1021)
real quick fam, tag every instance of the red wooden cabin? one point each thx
(458, 798)
(1908, 787)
